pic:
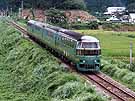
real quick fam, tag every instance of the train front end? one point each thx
(88, 54)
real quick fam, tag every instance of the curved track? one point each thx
(121, 94)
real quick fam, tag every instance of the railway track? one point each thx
(21, 29)
(111, 86)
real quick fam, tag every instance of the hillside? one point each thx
(44, 4)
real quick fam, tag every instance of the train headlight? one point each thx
(83, 61)
(97, 61)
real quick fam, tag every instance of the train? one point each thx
(83, 51)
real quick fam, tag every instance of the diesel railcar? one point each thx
(83, 51)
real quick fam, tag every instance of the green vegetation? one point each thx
(44, 4)
(84, 26)
(98, 5)
(57, 18)
(101, 5)
(107, 26)
(22, 22)
(131, 5)
(94, 6)
(113, 44)
(30, 73)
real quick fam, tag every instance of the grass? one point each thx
(22, 23)
(30, 73)
(113, 44)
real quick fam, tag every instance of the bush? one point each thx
(110, 69)
(132, 68)
(131, 36)
(81, 26)
(69, 89)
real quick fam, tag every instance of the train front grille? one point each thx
(87, 66)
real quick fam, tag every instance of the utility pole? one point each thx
(131, 50)
(7, 11)
(22, 7)
(11, 12)
(2, 12)
(19, 13)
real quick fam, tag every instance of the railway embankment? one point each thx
(30, 73)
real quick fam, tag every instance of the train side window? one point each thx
(66, 41)
(63, 41)
(50, 34)
(79, 45)
(45, 32)
(72, 43)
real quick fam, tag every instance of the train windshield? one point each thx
(87, 45)
(88, 48)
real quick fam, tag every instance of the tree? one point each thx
(56, 17)
(130, 1)
(2, 4)
(98, 5)
(131, 5)
(46, 4)
(71, 4)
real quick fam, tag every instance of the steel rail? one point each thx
(109, 86)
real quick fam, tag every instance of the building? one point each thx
(132, 17)
(113, 10)
(113, 19)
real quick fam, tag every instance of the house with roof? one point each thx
(132, 17)
(113, 19)
(113, 10)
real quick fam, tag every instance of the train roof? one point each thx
(40, 24)
(74, 35)
(89, 39)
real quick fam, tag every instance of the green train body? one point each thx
(69, 44)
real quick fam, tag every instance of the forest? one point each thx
(101, 5)
(131, 5)
(44, 4)
(90, 5)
